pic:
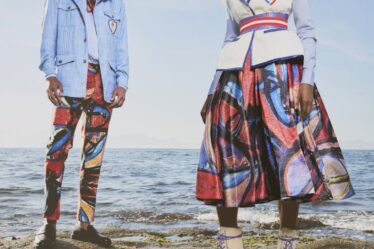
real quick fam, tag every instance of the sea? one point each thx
(153, 189)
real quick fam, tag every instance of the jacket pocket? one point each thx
(112, 67)
(66, 69)
(64, 59)
(68, 13)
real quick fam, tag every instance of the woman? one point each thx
(267, 133)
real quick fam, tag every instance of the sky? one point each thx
(174, 48)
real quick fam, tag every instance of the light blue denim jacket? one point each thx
(64, 49)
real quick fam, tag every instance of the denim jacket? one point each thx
(64, 50)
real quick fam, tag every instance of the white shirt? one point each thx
(93, 48)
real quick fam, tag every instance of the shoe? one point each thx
(90, 235)
(288, 239)
(230, 238)
(45, 237)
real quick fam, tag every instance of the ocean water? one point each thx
(154, 189)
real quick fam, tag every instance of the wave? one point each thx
(265, 219)
(355, 220)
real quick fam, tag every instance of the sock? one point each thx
(288, 238)
(230, 238)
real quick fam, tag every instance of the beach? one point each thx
(146, 200)
(186, 238)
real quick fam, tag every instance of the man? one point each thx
(84, 57)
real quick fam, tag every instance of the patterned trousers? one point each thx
(97, 115)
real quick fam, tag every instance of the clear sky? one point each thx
(174, 46)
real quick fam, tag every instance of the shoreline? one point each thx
(186, 238)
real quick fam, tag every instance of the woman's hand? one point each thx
(306, 99)
(204, 110)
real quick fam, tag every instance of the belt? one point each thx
(271, 20)
(94, 67)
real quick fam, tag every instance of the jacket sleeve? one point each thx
(122, 55)
(232, 34)
(305, 30)
(49, 37)
(232, 29)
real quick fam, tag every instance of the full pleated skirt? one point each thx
(256, 147)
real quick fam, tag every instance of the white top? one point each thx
(267, 47)
(93, 47)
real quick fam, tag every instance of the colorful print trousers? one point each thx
(95, 130)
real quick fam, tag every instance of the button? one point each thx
(60, 61)
(85, 40)
(84, 61)
(69, 8)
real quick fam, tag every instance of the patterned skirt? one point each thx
(256, 147)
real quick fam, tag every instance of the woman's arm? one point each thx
(232, 34)
(232, 29)
(306, 32)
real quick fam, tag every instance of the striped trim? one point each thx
(271, 2)
(338, 179)
(264, 21)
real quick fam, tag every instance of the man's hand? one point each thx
(306, 99)
(118, 97)
(54, 90)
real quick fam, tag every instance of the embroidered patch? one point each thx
(113, 26)
(271, 2)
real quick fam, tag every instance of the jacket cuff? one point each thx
(47, 70)
(50, 76)
(123, 81)
(308, 77)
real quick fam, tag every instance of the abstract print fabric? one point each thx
(95, 130)
(256, 147)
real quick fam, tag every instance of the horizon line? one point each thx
(162, 148)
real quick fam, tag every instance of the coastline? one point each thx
(185, 239)
(141, 208)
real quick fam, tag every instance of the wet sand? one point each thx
(186, 239)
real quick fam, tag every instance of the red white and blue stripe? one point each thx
(264, 21)
(271, 2)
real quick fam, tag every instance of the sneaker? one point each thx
(90, 235)
(45, 237)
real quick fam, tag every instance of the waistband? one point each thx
(271, 20)
(93, 68)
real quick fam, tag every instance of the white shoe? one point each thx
(288, 239)
(230, 238)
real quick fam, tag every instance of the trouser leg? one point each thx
(95, 132)
(65, 121)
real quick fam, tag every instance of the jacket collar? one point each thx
(82, 4)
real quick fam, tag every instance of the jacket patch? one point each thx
(113, 26)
